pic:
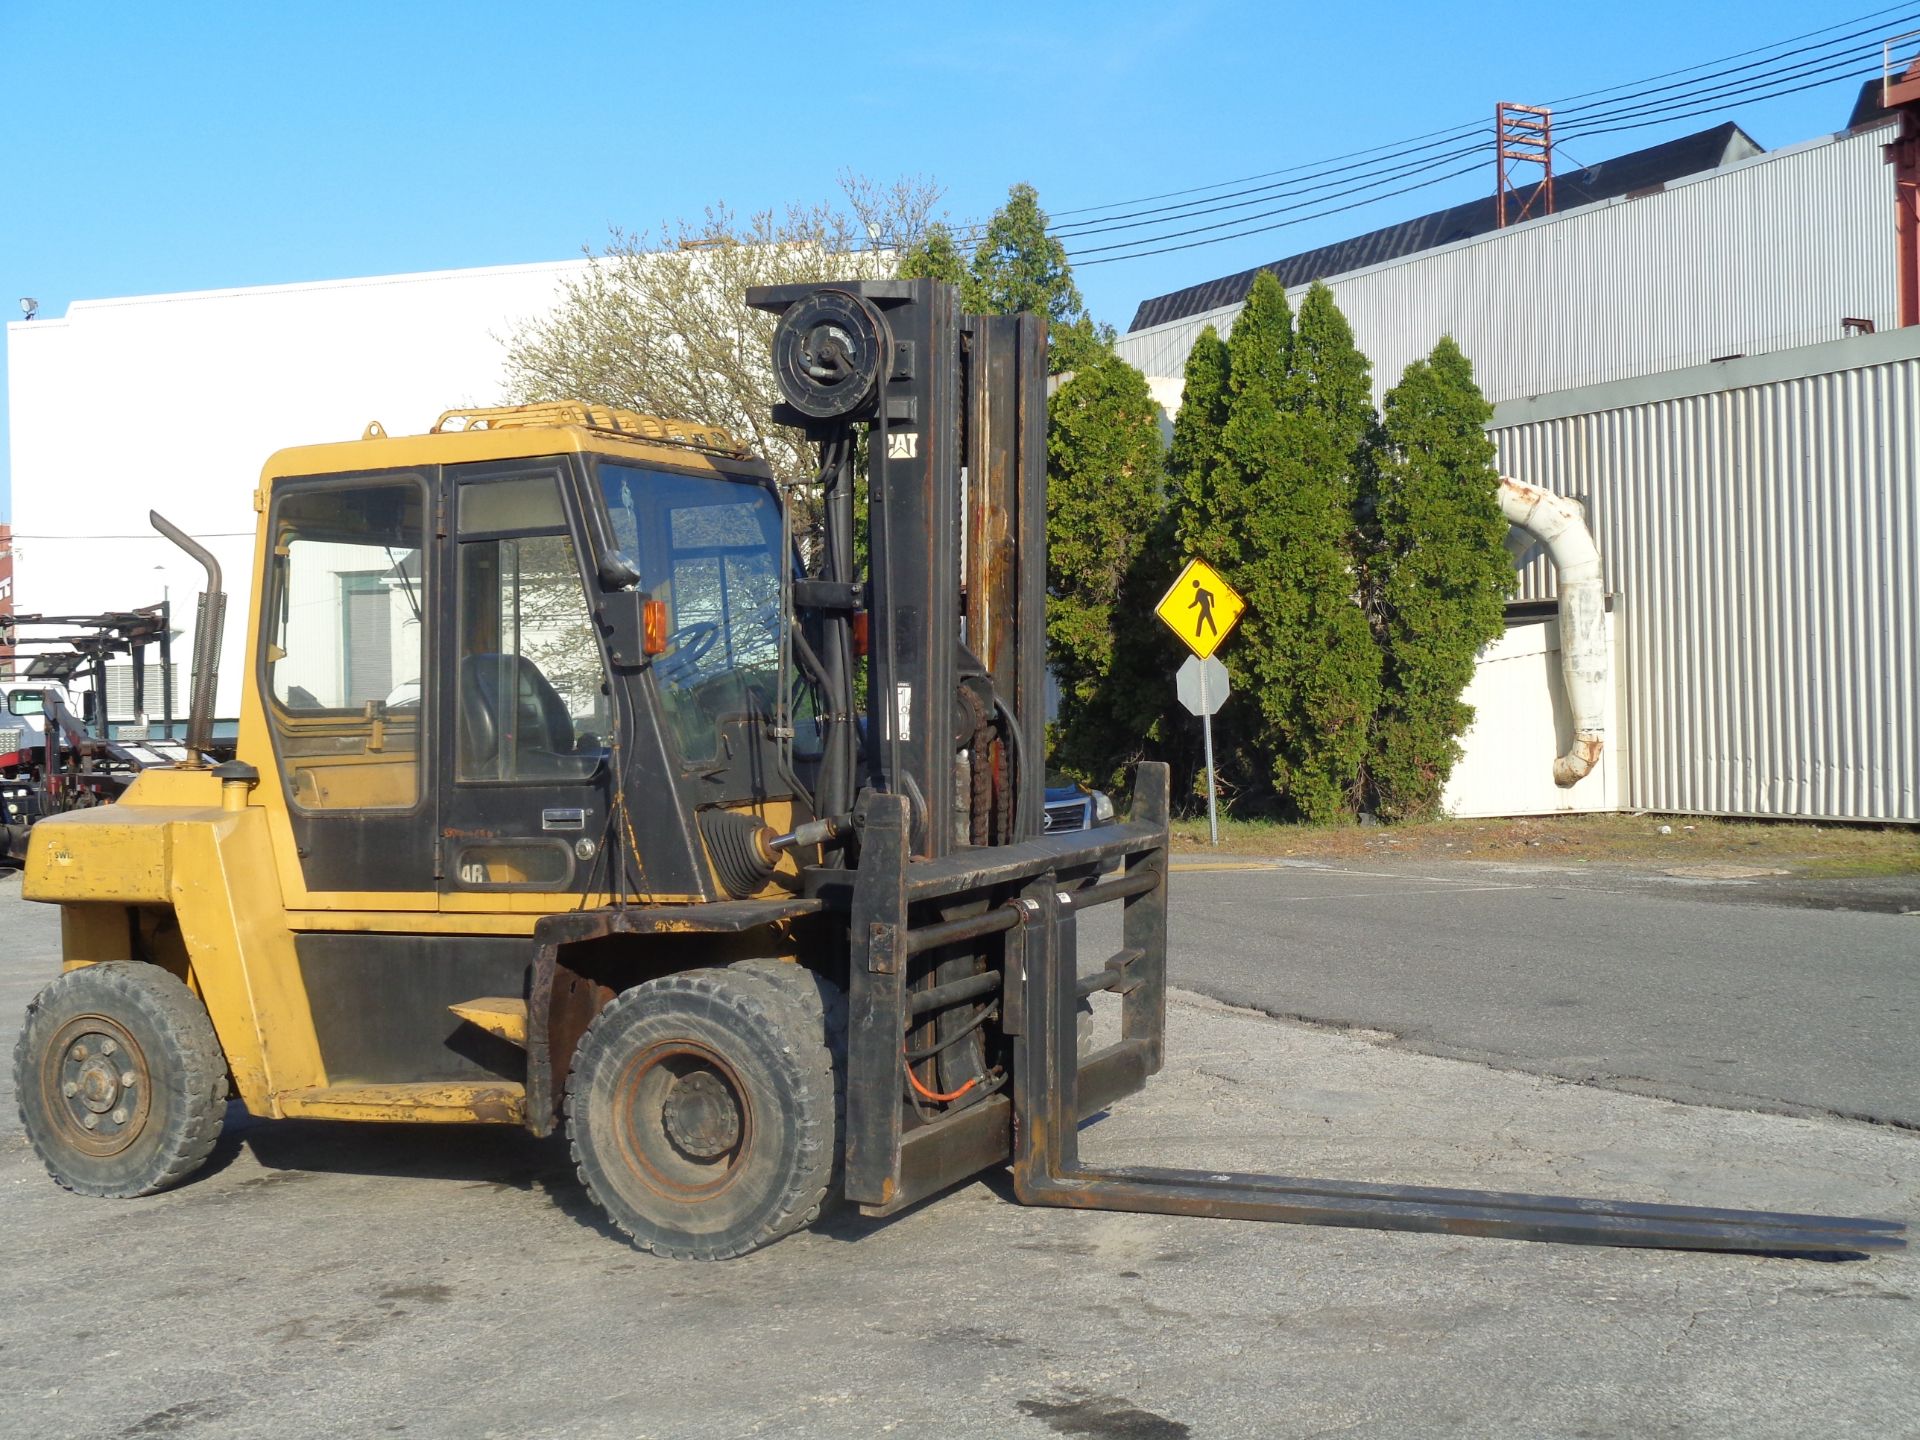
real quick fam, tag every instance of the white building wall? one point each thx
(1766, 254)
(1521, 724)
(173, 402)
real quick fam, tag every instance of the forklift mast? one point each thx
(948, 413)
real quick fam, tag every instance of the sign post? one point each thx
(1203, 688)
(1202, 610)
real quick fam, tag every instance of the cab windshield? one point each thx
(708, 548)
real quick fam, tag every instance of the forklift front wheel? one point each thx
(120, 1080)
(700, 1107)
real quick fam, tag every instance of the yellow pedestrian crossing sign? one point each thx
(1201, 608)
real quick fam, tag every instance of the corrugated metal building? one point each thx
(1756, 515)
(1752, 255)
(1759, 527)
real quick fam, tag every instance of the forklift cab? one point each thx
(472, 671)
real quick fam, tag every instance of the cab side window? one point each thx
(344, 644)
(533, 699)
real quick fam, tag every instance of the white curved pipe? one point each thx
(1558, 524)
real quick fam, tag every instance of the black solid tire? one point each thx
(770, 1046)
(178, 1104)
(818, 998)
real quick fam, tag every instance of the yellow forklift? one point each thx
(575, 789)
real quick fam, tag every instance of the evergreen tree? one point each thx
(1439, 579)
(1323, 712)
(1106, 493)
(1195, 451)
(934, 256)
(1019, 266)
(1230, 461)
(1084, 341)
(1299, 423)
(1105, 503)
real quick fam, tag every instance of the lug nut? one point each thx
(79, 1052)
(107, 1047)
(69, 1089)
(127, 1077)
(120, 1116)
(90, 1120)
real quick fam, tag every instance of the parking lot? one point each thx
(441, 1282)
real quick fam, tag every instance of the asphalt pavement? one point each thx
(1769, 993)
(327, 1279)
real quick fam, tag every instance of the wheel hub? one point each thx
(100, 1076)
(701, 1115)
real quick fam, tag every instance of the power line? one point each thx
(1420, 169)
(1739, 55)
(1609, 120)
(1385, 176)
(1842, 44)
(1867, 74)
(1706, 91)
(1283, 224)
(1438, 136)
(1722, 93)
(1612, 111)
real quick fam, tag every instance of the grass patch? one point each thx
(1828, 850)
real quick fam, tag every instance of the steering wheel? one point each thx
(686, 647)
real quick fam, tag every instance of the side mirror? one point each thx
(618, 571)
(634, 626)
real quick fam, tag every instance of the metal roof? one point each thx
(1638, 172)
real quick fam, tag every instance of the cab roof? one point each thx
(507, 432)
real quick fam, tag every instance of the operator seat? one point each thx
(508, 708)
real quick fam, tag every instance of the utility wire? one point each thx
(1611, 111)
(1719, 105)
(1384, 177)
(1731, 89)
(1369, 185)
(1283, 224)
(1099, 224)
(1451, 131)
(1631, 101)
(1739, 55)
(1604, 120)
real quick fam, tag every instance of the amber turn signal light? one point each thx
(859, 632)
(654, 619)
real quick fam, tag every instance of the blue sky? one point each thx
(153, 148)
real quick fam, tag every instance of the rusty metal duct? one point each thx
(1557, 523)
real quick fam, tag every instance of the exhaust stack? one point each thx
(210, 620)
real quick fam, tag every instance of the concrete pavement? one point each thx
(429, 1282)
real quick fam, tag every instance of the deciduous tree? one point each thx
(659, 323)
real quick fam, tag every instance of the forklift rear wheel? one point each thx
(120, 1080)
(702, 1112)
